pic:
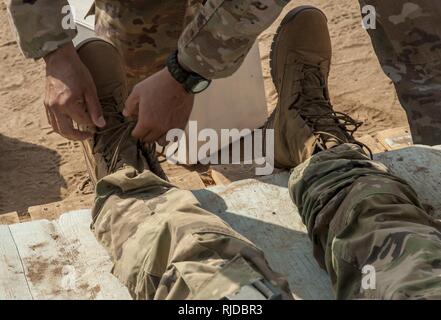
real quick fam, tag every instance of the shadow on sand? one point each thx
(25, 170)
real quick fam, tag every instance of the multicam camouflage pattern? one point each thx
(145, 32)
(358, 214)
(217, 41)
(408, 44)
(165, 246)
(214, 44)
(38, 25)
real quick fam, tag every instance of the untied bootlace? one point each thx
(342, 120)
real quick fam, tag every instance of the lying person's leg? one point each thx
(163, 244)
(356, 212)
(359, 215)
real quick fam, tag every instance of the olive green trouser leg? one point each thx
(407, 41)
(358, 215)
(165, 246)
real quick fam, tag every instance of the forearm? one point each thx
(39, 25)
(217, 41)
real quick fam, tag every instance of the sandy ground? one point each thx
(38, 167)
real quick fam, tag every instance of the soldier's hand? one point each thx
(70, 94)
(161, 104)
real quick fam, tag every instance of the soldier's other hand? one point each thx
(161, 104)
(70, 94)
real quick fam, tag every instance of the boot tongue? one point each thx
(314, 97)
(313, 87)
(316, 102)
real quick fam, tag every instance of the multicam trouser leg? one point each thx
(358, 215)
(145, 32)
(165, 246)
(407, 41)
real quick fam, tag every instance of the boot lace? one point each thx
(118, 135)
(319, 114)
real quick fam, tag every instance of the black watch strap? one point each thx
(189, 80)
(175, 68)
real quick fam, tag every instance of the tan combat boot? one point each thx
(304, 121)
(112, 147)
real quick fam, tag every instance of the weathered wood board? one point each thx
(264, 213)
(396, 138)
(420, 166)
(55, 260)
(62, 260)
(9, 218)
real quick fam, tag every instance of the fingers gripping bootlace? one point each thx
(120, 133)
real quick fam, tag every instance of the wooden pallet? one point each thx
(9, 218)
(61, 259)
(387, 140)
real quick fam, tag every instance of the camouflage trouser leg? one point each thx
(145, 32)
(408, 44)
(165, 246)
(358, 215)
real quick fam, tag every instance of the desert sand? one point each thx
(38, 167)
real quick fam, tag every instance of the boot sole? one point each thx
(286, 20)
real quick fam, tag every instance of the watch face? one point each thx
(200, 86)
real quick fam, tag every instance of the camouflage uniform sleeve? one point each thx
(218, 39)
(38, 25)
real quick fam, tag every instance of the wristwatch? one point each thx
(192, 82)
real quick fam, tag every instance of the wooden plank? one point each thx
(219, 178)
(62, 262)
(188, 181)
(50, 211)
(394, 139)
(225, 174)
(372, 143)
(264, 213)
(13, 284)
(420, 166)
(96, 279)
(9, 218)
(53, 211)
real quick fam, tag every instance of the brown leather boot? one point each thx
(304, 121)
(112, 147)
